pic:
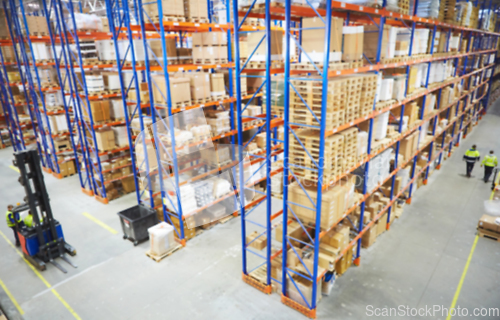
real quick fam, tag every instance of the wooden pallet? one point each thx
(156, 19)
(163, 256)
(261, 7)
(198, 20)
(91, 62)
(39, 34)
(488, 234)
(210, 61)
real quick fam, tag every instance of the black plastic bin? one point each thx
(136, 221)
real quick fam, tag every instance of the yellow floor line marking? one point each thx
(99, 222)
(459, 288)
(14, 168)
(42, 278)
(11, 297)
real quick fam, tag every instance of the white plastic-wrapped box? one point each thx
(380, 126)
(84, 21)
(386, 88)
(161, 238)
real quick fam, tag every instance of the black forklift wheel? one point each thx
(136, 243)
(125, 237)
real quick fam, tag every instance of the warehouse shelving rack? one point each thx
(68, 91)
(95, 184)
(35, 81)
(32, 98)
(256, 266)
(8, 106)
(20, 139)
(120, 16)
(366, 15)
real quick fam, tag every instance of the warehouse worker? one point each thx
(470, 157)
(490, 161)
(28, 221)
(11, 222)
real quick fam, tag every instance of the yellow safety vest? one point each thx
(471, 155)
(28, 221)
(490, 161)
(9, 216)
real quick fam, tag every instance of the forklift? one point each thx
(42, 242)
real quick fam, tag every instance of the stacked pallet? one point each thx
(354, 86)
(404, 6)
(305, 163)
(369, 88)
(311, 93)
(447, 11)
(350, 152)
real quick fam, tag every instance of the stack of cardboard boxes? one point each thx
(37, 25)
(170, 8)
(66, 167)
(489, 226)
(196, 11)
(259, 56)
(335, 201)
(210, 47)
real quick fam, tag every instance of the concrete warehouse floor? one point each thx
(419, 262)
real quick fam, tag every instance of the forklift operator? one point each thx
(28, 221)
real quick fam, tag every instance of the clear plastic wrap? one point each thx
(208, 174)
(426, 8)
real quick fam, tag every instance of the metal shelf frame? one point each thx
(291, 22)
(36, 83)
(9, 109)
(120, 15)
(85, 121)
(16, 37)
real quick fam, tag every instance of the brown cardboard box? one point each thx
(4, 29)
(344, 263)
(105, 24)
(71, 168)
(189, 233)
(180, 90)
(184, 54)
(313, 41)
(63, 169)
(99, 110)
(128, 184)
(291, 258)
(169, 7)
(276, 45)
(294, 230)
(332, 202)
(258, 244)
(352, 43)
(406, 146)
(199, 84)
(214, 38)
(105, 139)
(488, 223)
(150, 153)
(382, 224)
(369, 237)
(195, 9)
(157, 49)
(217, 85)
(370, 41)
(305, 287)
